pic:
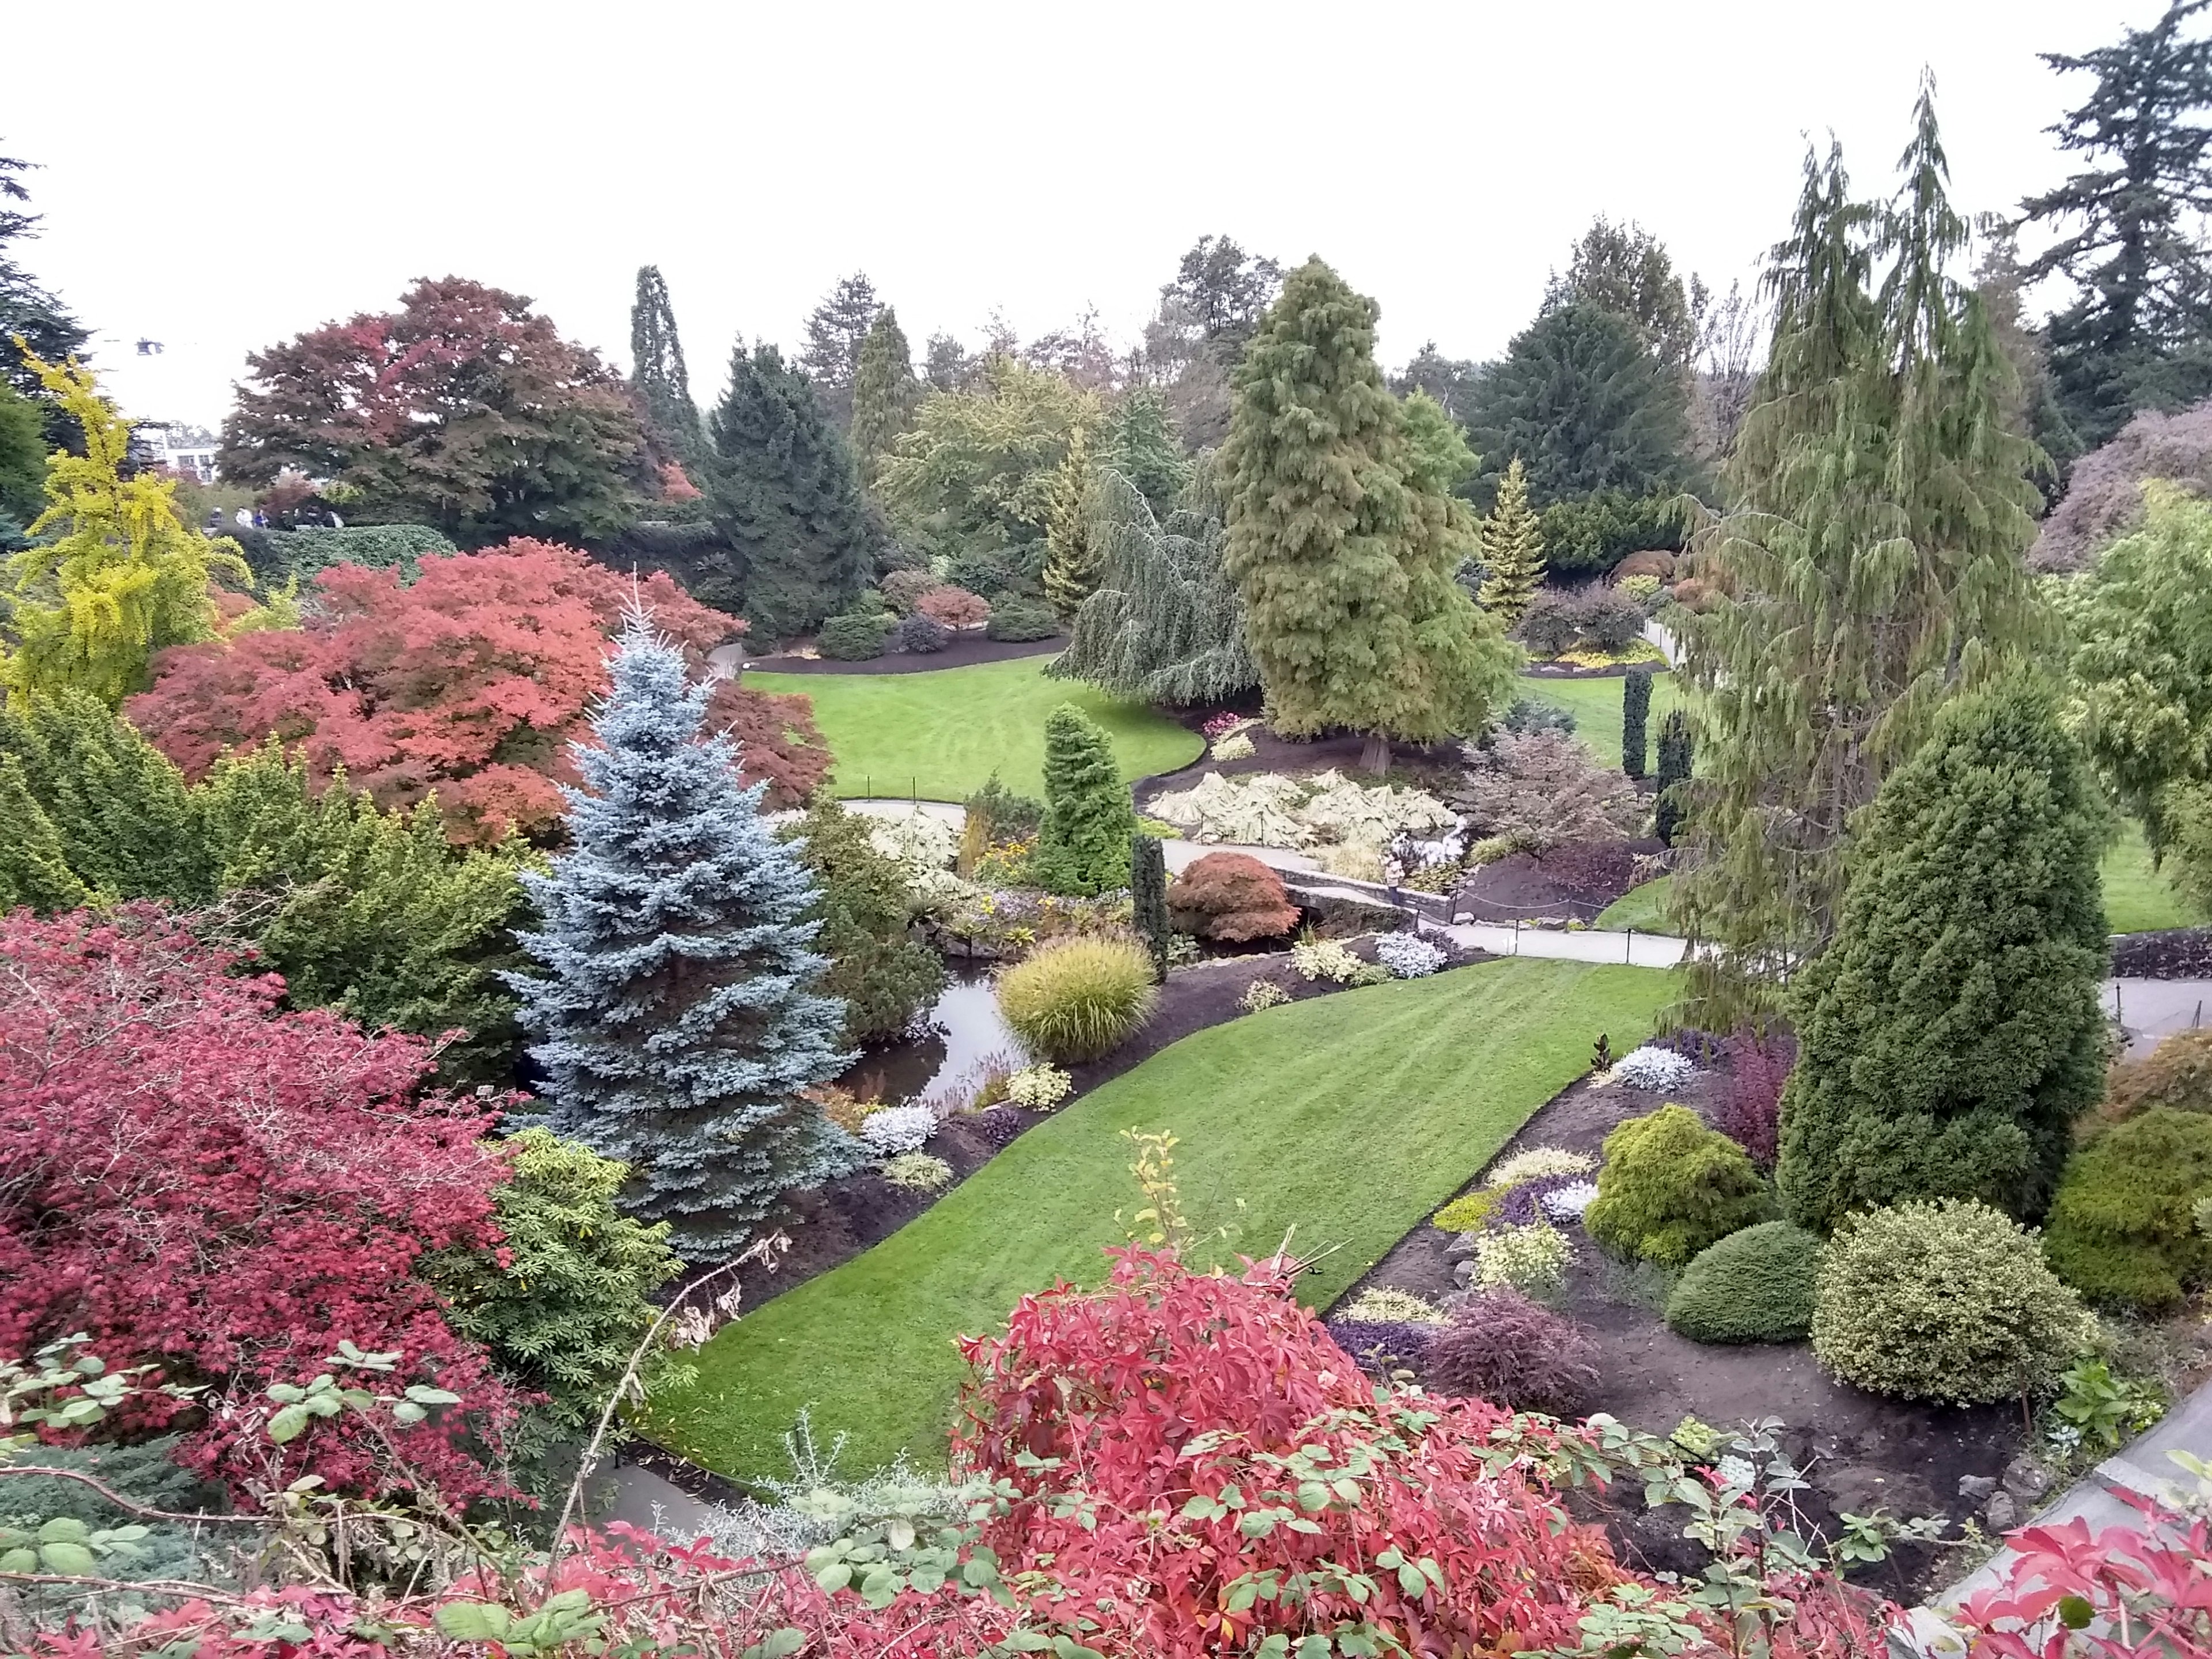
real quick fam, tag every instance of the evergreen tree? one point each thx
(1148, 898)
(1512, 549)
(1635, 711)
(657, 370)
(883, 975)
(33, 870)
(1584, 403)
(1625, 270)
(1073, 561)
(129, 827)
(1143, 446)
(1872, 569)
(677, 1019)
(23, 457)
(834, 332)
(1083, 847)
(1951, 1035)
(784, 493)
(1345, 560)
(1675, 759)
(27, 312)
(886, 393)
(2139, 333)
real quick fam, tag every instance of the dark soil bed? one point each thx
(1422, 767)
(1861, 1451)
(1575, 882)
(960, 653)
(2171, 953)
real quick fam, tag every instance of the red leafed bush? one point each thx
(471, 682)
(955, 607)
(1750, 1114)
(1158, 1395)
(1232, 897)
(1503, 1347)
(198, 1181)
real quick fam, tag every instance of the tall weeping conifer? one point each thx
(657, 370)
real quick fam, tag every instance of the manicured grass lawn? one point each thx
(1596, 705)
(1643, 908)
(2137, 898)
(1351, 1117)
(940, 735)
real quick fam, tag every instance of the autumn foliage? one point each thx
(471, 682)
(1230, 896)
(198, 1181)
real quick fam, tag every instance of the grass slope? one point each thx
(2137, 898)
(1643, 908)
(940, 735)
(1596, 705)
(1352, 1116)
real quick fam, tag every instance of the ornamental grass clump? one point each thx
(2122, 1228)
(1382, 1305)
(1755, 1285)
(1501, 1347)
(1535, 1162)
(917, 1172)
(1950, 1301)
(1076, 1000)
(1670, 1187)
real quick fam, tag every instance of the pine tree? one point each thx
(1345, 561)
(835, 332)
(1083, 845)
(886, 393)
(33, 870)
(677, 1016)
(1872, 569)
(1143, 446)
(1635, 711)
(786, 496)
(1073, 561)
(657, 370)
(1148, 898)
(1951, 1035)
(129, 826)
(1512, 549)
(2139, 335)
(1675, 761)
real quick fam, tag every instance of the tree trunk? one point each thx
(1375, 756)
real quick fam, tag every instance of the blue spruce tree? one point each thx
(677, 1019)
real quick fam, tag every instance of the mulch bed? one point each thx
(960, 653)
(1860, 1451)
(1574, 881)
(1424, 766)
(2171, 953)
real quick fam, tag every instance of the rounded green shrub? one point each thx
(1755, 1285)
(2122, 1228)
(1950, 1301)
(1079, 999)
(854, 637)
(1670, 1187)
(1016, 616)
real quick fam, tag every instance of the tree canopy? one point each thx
(1625, 270)
(27, 310)
(657, 369)
(835, 331)
(886, 392)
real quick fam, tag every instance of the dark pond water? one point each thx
(968, 1030)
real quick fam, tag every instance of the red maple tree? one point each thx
(471, 682)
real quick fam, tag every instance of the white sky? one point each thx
(221, 175)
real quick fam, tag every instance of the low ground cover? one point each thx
(1350, 1118)
(1596, 705)
(940, 735)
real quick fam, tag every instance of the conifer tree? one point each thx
(1635, 712)
(836, 330)
(33, 870)
(1073, 561)
(677, 1016)
(883, 975)
(657, 370)
(1083, 845)
(1148, 898)
(1143, 446)
(1345, 559)
(1512, 549)
(886, 393)
(1873, 567)
(1951, 1035)
(785, 495)
(1675, 760)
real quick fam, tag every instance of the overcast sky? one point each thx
(219, 176)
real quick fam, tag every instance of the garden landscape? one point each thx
(1225, 993)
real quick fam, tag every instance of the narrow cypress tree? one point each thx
(1072, 564)
(1148, 897)
(1674, 766)
(657, 370)
(886, 393)
(1344, 555)
(1512, 549)
(1083, 845)
(786, 496)
(677, 1019)
(32, 870)
(1951, 1035)
(1635, 711)
(1142, 446)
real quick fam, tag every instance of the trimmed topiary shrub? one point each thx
(923, 635)
(1670, 1187)
(1083, 845)
(1950, 1301)
(1503, 1347)
(853, 637)
(1079, 999)
(1755, 1285)
(2122, 1228)
(1015, 617)
(1231, 897)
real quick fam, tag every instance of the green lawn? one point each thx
(1352, 1116)
(940, 735)
(2137, 898)
(1596, 705)
(1643, 908)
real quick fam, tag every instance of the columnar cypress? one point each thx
(1676, 758)
(886, 392)
(677, 1016)
(1951, 1035)
(1512, 549)
(1073, 561)
(1635, 711)
(1148, 897)
(657, 370)
(1345, 559)
(1083, 845)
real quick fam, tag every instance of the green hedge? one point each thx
(2121, 1229)
(1752, 1286)
(853, 637)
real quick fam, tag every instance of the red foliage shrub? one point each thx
(1503, 1347)
(471, 682)
(1750, 1114)
(200, 1181)
(1232, 897)
(676, 484)
(955, 607)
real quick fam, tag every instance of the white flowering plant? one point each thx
(917, 1172)
(1652, 1071)
(1039, 1088)
(1382, 1305)
(1537, 1163)
(1325, 959)
(1567, 1203)
(897, 1129)
(1532, 1260)
(1408, 956)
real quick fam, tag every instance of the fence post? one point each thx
(1517, 936)
(1628, 955)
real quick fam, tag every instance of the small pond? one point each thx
(965, 1028)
